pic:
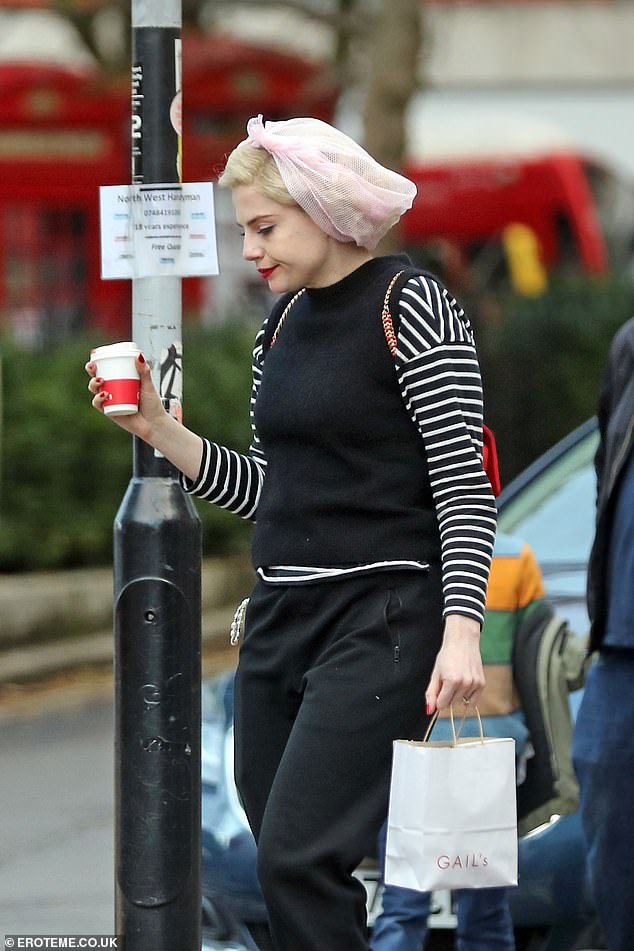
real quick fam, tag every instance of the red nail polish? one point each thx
(429, 710)
(141, 358)
(100, 380)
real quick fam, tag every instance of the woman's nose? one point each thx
(251, 249)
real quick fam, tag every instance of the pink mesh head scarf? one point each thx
(349, 195)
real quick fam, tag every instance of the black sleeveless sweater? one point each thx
(346, 475)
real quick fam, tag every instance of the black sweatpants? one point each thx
(329, 675)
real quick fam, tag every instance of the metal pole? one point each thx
(157, 555)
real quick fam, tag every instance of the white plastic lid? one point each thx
(124, 349)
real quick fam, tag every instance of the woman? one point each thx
(375, 520)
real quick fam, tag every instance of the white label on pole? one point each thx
(158, 230)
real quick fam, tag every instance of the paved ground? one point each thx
(56, 824)
(56, 796)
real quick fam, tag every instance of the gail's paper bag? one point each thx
(452, 820)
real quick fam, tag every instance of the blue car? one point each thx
(222, 931)
(551, 506)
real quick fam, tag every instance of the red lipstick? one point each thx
(266, 272)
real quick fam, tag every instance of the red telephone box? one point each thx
(61, 134)
(64, 132)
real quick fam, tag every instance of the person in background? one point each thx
(374, 516)
(484, 921)
(603, 749)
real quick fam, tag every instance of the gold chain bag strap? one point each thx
(386, 316)
(285, 314)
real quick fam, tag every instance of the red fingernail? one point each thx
(100, 380)
(141, 358)
(91, 366)
(429, 710)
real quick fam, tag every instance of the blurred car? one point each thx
(221, 931)
(551, 506)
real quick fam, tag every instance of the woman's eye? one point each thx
(266, 230)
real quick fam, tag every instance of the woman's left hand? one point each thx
(458, 674)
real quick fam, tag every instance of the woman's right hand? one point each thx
(152, 423)
(151, 410)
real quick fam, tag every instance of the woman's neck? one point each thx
(344, 259)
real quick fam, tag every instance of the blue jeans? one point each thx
(603, 756)
(484, 919)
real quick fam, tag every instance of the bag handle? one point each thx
(456, 733)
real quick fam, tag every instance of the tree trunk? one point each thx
(392, 80)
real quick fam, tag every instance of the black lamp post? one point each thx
(157, 556)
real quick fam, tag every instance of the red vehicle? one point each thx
(472, 201)
(514, 204)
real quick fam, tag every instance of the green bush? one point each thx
(65, 468)
(542, 360)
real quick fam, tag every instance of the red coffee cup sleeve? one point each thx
(122, 391)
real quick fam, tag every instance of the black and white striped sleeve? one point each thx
(228, 478)
(439, 374)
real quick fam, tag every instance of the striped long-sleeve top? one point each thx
(438, 374)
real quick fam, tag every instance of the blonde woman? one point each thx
(374, 518)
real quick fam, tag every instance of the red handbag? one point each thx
(490, 460)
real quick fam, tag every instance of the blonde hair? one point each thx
(252, 166)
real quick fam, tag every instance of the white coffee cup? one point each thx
(116, 366)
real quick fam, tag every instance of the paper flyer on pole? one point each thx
(163, 230)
